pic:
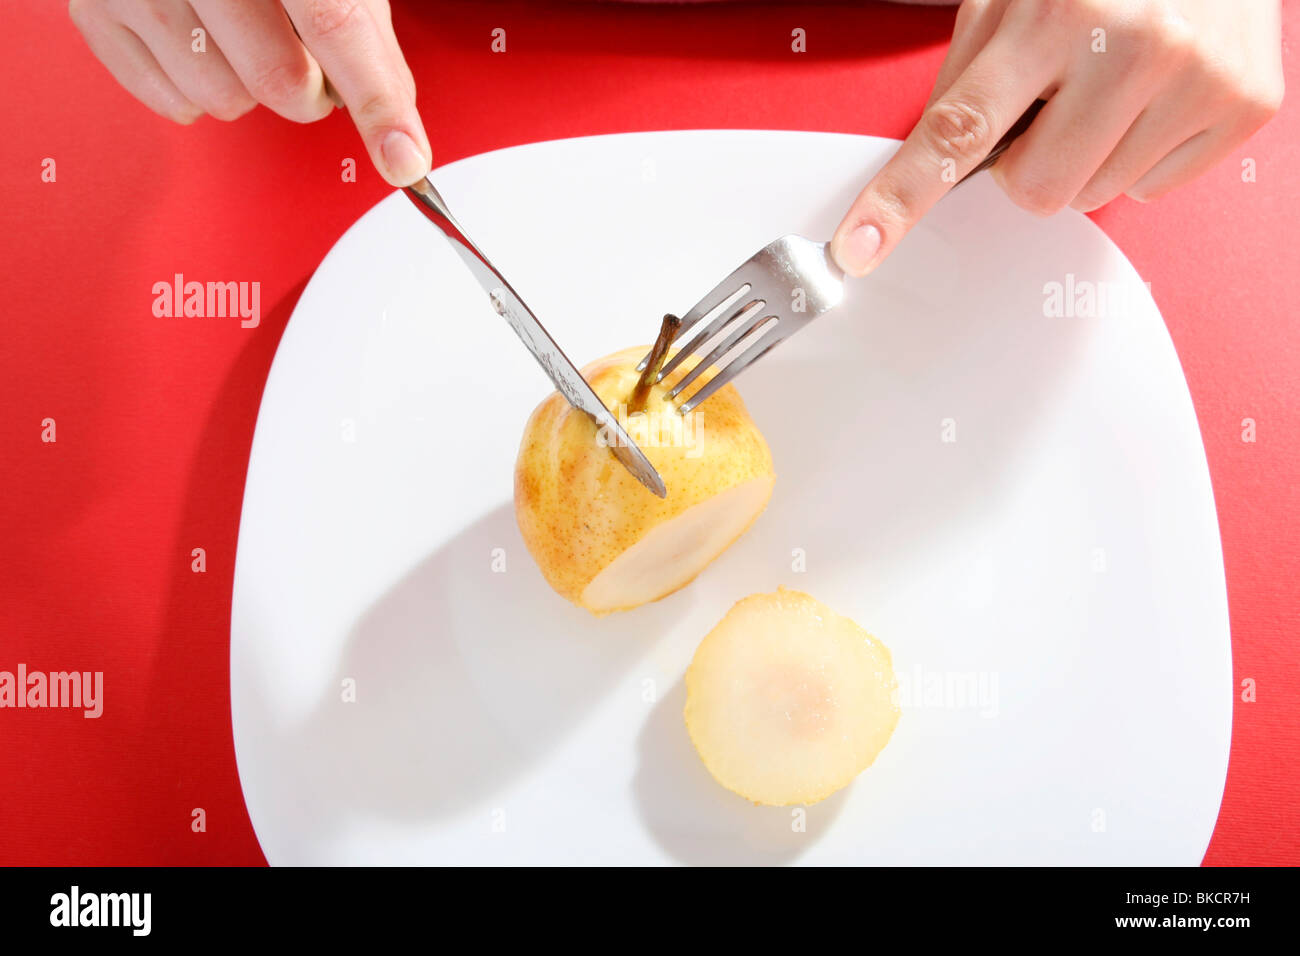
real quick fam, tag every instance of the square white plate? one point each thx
(1016, 501)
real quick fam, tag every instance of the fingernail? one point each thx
(403, 158)
(858, 252)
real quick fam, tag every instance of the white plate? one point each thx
(1050, 583)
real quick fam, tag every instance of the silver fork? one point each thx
(772, 295)
(789, 269)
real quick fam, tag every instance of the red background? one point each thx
(155, 417)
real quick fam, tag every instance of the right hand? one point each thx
(268, 52)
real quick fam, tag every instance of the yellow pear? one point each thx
(787, 701)
(603, 540)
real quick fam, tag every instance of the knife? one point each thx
(507, 303)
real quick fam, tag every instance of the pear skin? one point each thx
(600, 538)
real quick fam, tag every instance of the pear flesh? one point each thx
(787, 701)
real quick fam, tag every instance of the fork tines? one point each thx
(767, 299)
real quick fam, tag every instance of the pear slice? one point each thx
(787, 701)
(601, 539)
(670, 555)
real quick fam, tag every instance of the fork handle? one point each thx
(1018, 127)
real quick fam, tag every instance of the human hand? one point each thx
(268, 52)
(1142, 96)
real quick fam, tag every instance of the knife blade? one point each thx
(508, 304)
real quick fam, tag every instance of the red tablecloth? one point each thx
(154, 417)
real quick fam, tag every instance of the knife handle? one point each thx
(1018, 127)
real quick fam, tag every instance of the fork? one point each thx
(793, 270)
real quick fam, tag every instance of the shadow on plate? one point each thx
(698, 821)
(465, 677)
(859, 413)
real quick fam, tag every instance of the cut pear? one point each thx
(787, 701)
(673, 553)
(599, 537)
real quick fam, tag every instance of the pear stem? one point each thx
(667, 332)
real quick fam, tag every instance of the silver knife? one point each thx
(553, 361)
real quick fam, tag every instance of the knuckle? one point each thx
(1248, 100)
(157, 11)
(1032, 195)
(1047, 13)
(307, 111)
(229, 106)
(381, 108)
(281, 83)
(958, 128)
(1178, 40)
(1090, 199)
(184, 113)
(1150, 33)
(891, 203)
(81, 12)
(1149, 16)
(1261, 103)
(331, 16)
(1130, 44)
(1107, 183)
(1213, 74)
(972, 11)
(317, 109)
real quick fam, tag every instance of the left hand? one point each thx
(1142, 96)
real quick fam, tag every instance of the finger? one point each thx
(954, 134)
(1157, 132)
(132, 65)
(384, 17)
(1208, 148)
(1188, 117)
(167, 28)
(1072, 136)
(1101, 99)
(347, 39)
(977, 21)
(1185, 163)
(383, 13)
(258, 40)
